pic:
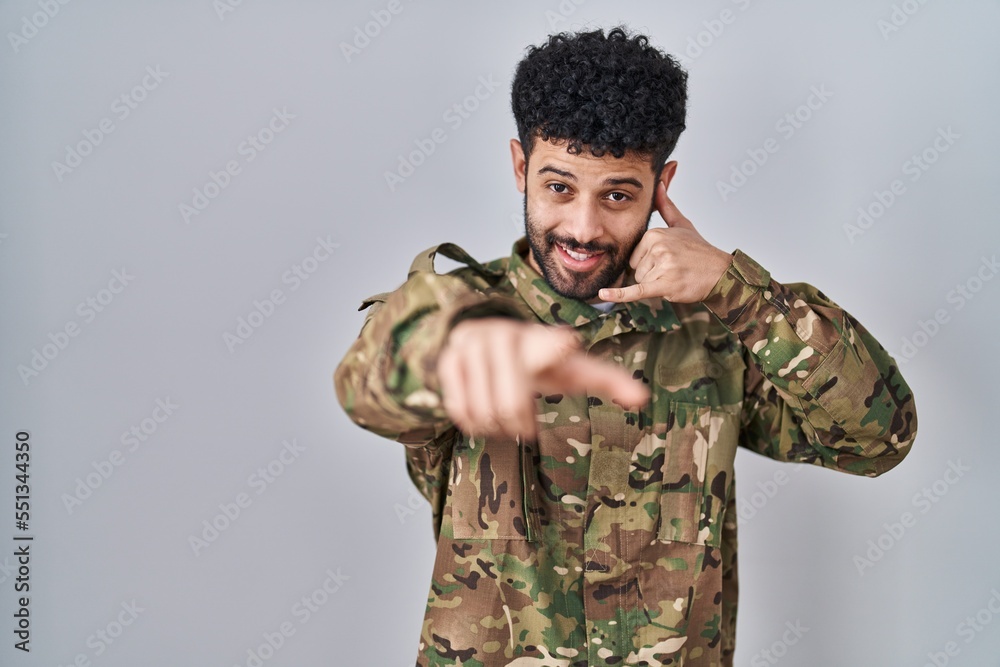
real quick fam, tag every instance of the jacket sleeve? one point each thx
(387, 382)
(818, 387)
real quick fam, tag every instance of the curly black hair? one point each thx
(613, 93)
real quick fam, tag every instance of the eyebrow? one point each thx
(623, 181)
(608, 181)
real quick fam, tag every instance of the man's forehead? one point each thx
(555, 154)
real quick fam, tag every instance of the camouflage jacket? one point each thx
(611, 540)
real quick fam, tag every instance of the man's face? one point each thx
(583, 215)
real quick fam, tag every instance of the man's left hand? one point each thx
(673, 263)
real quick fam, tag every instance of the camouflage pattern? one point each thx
(612, 539)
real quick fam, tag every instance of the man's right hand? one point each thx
(491, 367)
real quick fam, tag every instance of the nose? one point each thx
(584, 221)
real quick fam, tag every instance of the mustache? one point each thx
(573, 245)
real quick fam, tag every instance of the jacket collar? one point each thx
(646, 315)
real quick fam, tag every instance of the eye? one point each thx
(558, 188)
(619, 197)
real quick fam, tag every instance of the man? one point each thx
(572, 412)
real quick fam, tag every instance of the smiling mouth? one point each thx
(578, 260)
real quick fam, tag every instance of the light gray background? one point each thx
(342, 504)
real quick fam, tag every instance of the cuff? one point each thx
(742, 281)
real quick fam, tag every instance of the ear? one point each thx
(667, 173)
(520, 165)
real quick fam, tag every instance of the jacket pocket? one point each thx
(699, 450)
(487, 489)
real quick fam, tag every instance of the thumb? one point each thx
(669, 212)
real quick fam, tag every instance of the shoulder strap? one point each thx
(381, 296)
(425, 260)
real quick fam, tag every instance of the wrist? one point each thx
(740, 284)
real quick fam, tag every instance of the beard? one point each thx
(573, 284)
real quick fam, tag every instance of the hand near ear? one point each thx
(673, 263)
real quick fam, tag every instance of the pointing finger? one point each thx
(586, 374)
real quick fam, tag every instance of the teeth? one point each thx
(575, 255)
